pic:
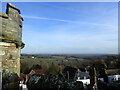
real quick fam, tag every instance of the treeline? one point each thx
(110, 62)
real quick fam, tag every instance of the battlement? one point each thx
(9, 6)
(11, 25)
(3, 15)
(11, 39)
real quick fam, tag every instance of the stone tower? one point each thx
(10, 39)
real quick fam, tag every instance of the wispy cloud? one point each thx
(53, 19)
(68, 21)
(59, 38)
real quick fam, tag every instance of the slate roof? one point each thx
(83, 75)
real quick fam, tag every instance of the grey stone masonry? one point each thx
(11, 39)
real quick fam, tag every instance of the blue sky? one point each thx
(69, 28)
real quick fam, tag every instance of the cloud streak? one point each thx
(53, 19)
(68, 21)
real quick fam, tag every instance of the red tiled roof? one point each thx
(39, 71)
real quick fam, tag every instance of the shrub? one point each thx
(7, 78)
(37, 82)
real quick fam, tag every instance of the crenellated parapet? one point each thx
(11, 26)
(11, 38)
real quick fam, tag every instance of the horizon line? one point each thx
(74, 53)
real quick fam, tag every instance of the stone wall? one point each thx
(12, 23)
(11, 39)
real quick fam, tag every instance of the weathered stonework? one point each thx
(11, 39)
